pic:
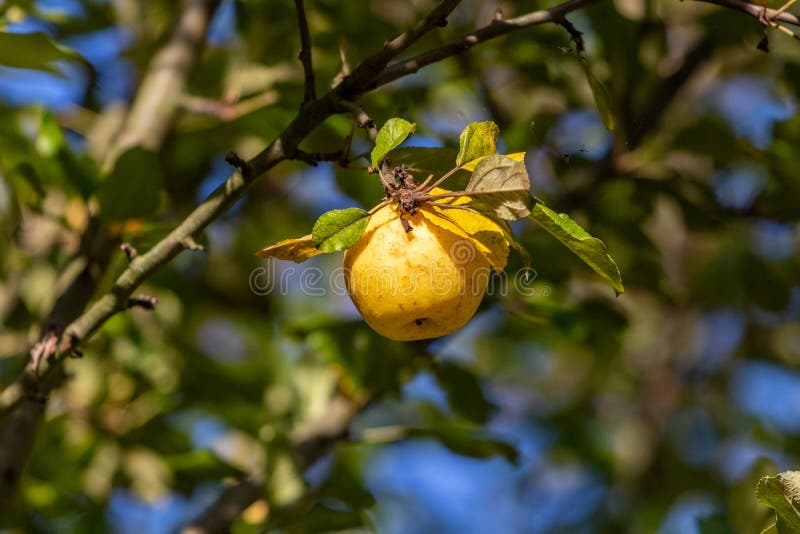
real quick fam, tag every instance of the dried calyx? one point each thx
(401, 188)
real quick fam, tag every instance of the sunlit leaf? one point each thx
(479, 139)
(390, 136)
(590, 249)
(296, 250)
(339, 229)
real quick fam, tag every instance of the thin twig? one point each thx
(438, 182)
(575, 34)
(145, 302)
(129, 250)
(147, 124)
(421, 186)
(363, 76)
(383, 204)
(19, 427)
(784, 29)
(305, 53)
(446, 206)
(493, 30)
(781, 9)
(312, 158)
(228, 111)
(362, 119)
(756, 11)
(150, 119)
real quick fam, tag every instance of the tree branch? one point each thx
(757, 11)
(153, 109)
(495, 29)
(149, 121)
(362, 119)
(148, 125)
(305, 52)
(363, 76)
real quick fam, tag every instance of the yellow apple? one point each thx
(426, 282)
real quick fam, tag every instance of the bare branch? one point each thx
(757, 11)
(145, 302)
(150, 119)
(495, 29)
(225, 110)
(305, 53)
(227, 507)
(362, 119)
(575, 34)
(312, 158)
(364, 75)
(147, 124)
(129, 250)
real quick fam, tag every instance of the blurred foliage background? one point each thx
(564, 410)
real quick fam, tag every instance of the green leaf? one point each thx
(714, 524)
(464, 393)
(33, 51)
(602, 98)
(478, 139)
(501, 185)
(465, 439)
(782, 494)
(476, 442)
(590, 249)
(132, 188)
(390, 136)
(339, 229)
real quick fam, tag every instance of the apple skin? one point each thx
(414, 285)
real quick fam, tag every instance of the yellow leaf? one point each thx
(297, 250)
(517, 156)
(487, 235)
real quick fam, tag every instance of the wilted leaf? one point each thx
(601, 98)
(339, 229)
(132, 188)
(590, 249)
(479, 139)
(782, 494)
(32, 51)
(501, 185)
(391, 135)
(296, 250)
